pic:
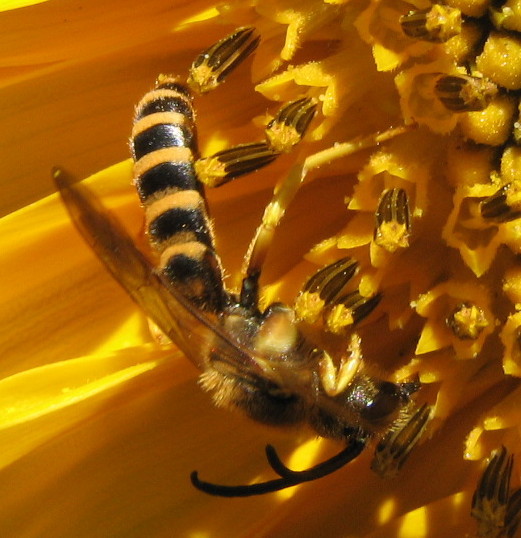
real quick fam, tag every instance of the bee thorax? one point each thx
(277, 334)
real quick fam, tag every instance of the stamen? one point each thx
(393, 449)
(329, 281)
(230, 163)
(323, 288)
(214, 64)
(288, 127)
(504, 205)
(496, 510)
(436, 24)
(503, 16)
(463, 93)
(349, 310)
(467, 321)
(393, 220)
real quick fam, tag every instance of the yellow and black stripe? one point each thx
(164, 147)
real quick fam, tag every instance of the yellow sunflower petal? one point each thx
(100, 425)
(16, 4)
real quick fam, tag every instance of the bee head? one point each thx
(369, 405)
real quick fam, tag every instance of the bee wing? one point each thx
(198, 336)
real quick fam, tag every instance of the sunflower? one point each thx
(101, 424)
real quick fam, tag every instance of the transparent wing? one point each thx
(198, 336)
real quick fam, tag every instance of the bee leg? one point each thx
(393, 449)
(335, 381)
(273, 213)
(496, 510)
(288, 477)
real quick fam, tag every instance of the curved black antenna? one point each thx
(288, 477)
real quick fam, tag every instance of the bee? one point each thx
(256, 360)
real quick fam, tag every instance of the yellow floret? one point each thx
(501, 60)
(463, 46)
(493, 125)
(512, 286)
(440, 304)
(508, 16)
(473, 8)
(511, 338)
(468, 163)
(511, 164)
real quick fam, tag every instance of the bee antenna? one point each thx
(288, 477)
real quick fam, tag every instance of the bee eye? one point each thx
(387, 399)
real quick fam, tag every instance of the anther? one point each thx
(467, 321)
(393, 220)
(349, 310)
(230, 163)
(214, 64)
(495, 508)
(435, 24)
(288, 127)
(393, 449)
(504, 205)
(464, 93)
(323, 288)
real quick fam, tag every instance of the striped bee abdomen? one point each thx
(164, 146)
(164, 141)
